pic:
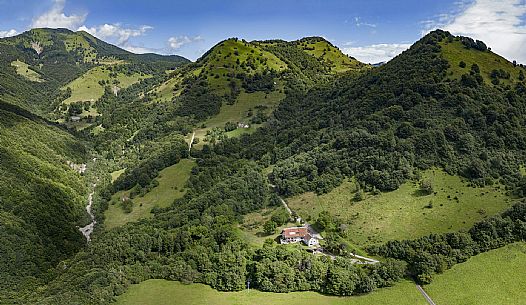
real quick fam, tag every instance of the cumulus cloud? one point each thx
(8, 33)
(500, 24)
(56, 18)
(376, 53)
(115, 32)
(177, 42)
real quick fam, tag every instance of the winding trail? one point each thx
(426, 296)
(88, 229)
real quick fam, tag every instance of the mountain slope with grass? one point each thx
(354, 149)
(37, 63)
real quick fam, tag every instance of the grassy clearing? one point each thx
(172, 181)
(488, 61)
(23, 69)
(339, 61)
(235, 56)
(496, 277)
(165, 92)
(116, 174)
(87, 87)
(404, 213)
(153, 292)
(238, 113)
(79, 44)
(252, 227)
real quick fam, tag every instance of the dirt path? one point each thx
(190, 144)
(426, 296)
(88, 229)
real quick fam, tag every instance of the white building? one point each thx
(298, 234)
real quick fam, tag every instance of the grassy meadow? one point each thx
(495, 277)
(87, 87)
(238, 113)
(163, 292)
(252, 227)
(172, 181)
(340, 62)
(455, 52)
(405, 213)
(23, 69)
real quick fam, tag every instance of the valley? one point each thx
(417, 163)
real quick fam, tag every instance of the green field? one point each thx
(496, 277)
(87, 87)
(162, 292)
(165, 91)
(238, 112)
(455, 52)
(339, 61)
(404, 213)
(116, 174)
(23, 69)
(252, 227)
(172, 181)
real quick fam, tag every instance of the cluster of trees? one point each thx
(438, 252)
(470, 43)
(383, 126)
(41, 198)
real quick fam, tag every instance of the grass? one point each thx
(238, 112)
(488, 61)
(172, 181)
(23, 69)
(223, 61)
(323, 50)
(495, 277)
(403, 213)
(165, 91)
(78, 43)
(87, 87)
(163, 292)
(116, 174)
(252, 227)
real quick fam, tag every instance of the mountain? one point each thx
(259, 120)
(38, 63)
(42, 197)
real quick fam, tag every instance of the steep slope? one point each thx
(404, 116)
(41, 198)
(37, 63)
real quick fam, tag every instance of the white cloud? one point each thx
(359, 23)
(56, 18)
(179, 41)
(377, 52)
(500, 24)
(115, 32)
(8, 33)
(139, 49)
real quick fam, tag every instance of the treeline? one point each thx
(143, 173)
(391, 122)
(436, 253)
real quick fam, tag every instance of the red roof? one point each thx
(294, 232)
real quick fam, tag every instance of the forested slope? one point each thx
(41, 198)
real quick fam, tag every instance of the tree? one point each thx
(521, 75)
(426, 186)
(270, 227)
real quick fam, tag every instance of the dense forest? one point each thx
(381, 126)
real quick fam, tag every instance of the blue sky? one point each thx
(370, 30)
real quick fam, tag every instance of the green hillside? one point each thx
(495, 277)
(42, 199)
(37, 63)
(504, 72)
